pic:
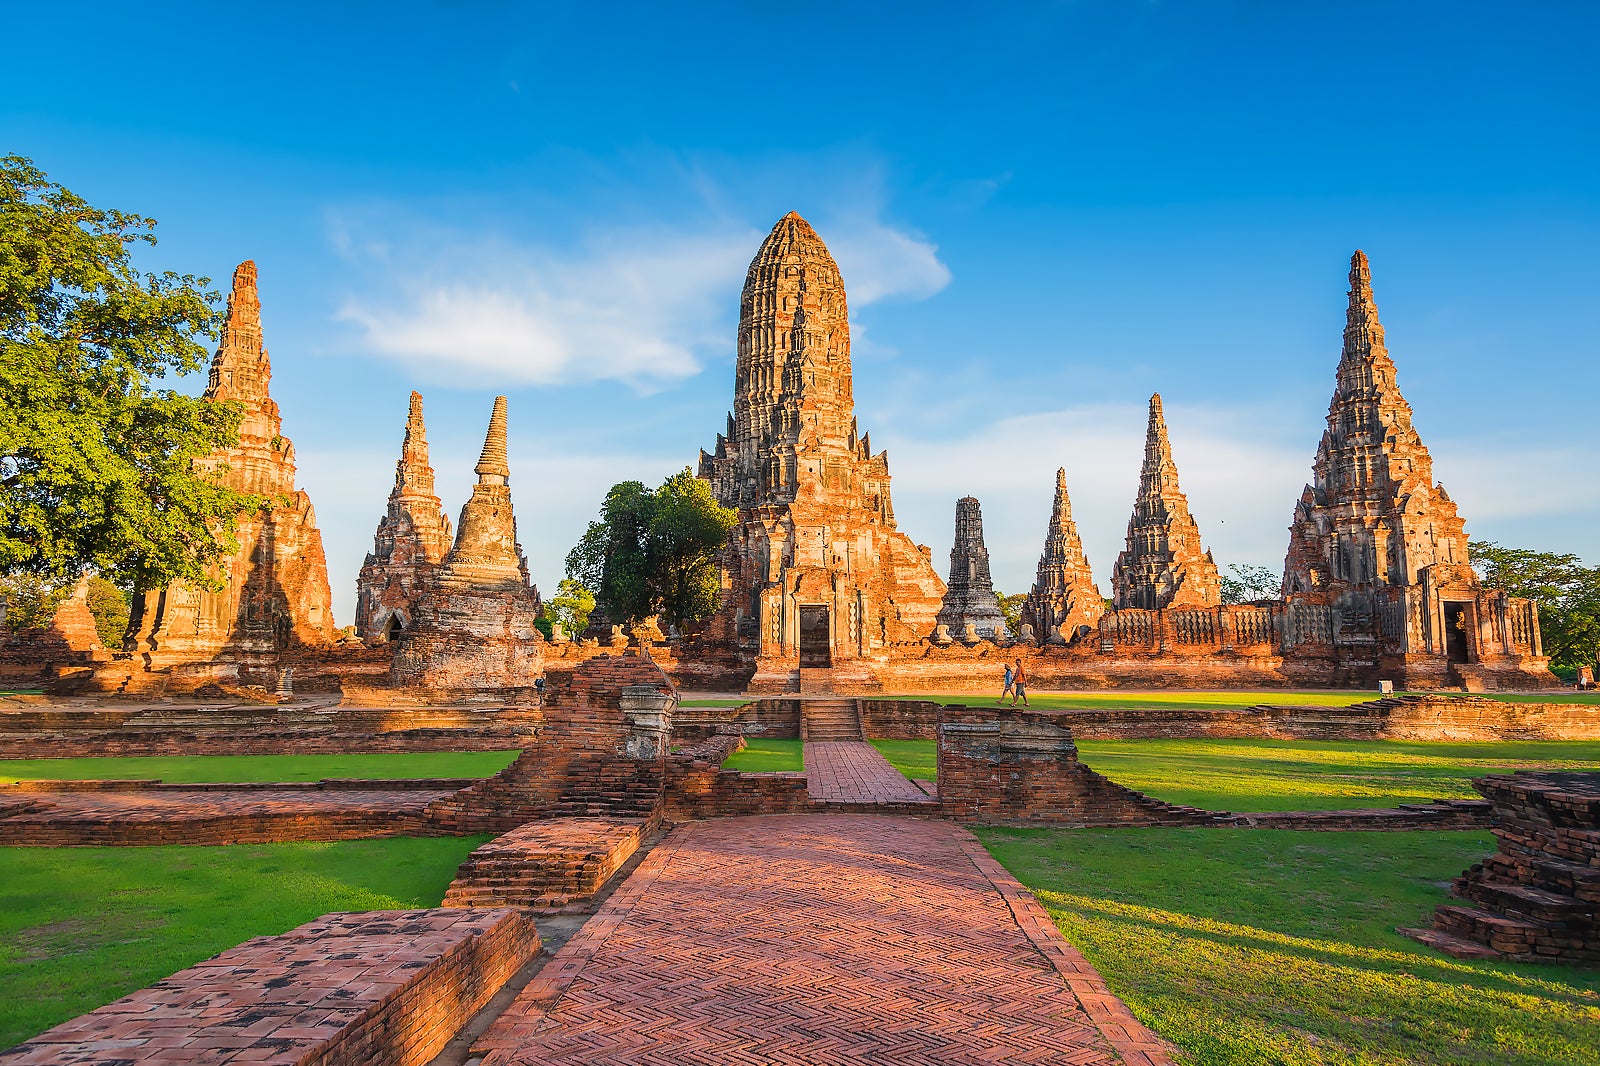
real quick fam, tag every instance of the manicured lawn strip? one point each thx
(914, 758)
(1247, 947)
(713, 702)
(201, 768)
(1295, 775)
(768, 755)
(80, 927)
(1132, 701)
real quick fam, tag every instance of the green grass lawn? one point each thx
(1250, 947)
(198, 768)
(80, 927)
(1132, 701)
(1289, 775)
(768, 755)
(714, 702)
(914, 758)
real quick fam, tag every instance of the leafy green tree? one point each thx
(109, 605)
(31, 599)
(1248, 583)
(1566, 591)
(1011, 608)
(96, 462)
(654, 552)
(571, 606)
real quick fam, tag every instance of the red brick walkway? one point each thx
(818, 939)
(853, 772)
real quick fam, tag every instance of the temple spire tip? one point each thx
(492, 463)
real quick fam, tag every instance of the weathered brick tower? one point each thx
(412, 539)
(1164, 564)
(1064, 595)
(970, 599)
(1376, 539)
(816, 576)
(473, 630)
(275, 594)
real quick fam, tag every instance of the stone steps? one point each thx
(1455, 946)
(1553, 875)
(1522, 901)
(824, 720)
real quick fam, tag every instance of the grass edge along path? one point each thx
(765, 755)
(194, 769)
(80, 927)
(1246, 947)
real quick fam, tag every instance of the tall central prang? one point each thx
(815, 574)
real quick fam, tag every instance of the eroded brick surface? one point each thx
(818, 939)
(547, 866)
(126, 813)
(380, 987)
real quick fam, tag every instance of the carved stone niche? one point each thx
(649, 714)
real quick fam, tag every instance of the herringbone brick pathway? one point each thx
(845, 772)
(818, 939)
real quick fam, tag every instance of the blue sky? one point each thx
(1043, 213)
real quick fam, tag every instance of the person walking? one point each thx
(1007, 690)
(1019, 685)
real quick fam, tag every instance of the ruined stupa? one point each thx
(1164, 563)
(275, 593)
(473, 630)
(1377, 539)
(815, 574)
(970, 609)
(1064, 596)
(411, 541)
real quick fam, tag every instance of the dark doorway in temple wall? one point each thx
(816, 645)
(1456, 619)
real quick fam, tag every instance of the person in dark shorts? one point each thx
(1007, 690)
(1019, 685)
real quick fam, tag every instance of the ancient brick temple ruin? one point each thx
(1164, 564)
(473, 630)
(1377, 563)
(274, 594)
(970, 610)
(412, 539)
(1064, 603)
(816, 576)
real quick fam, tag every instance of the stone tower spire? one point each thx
(275, 590)
(241, 370)
(1372, 516)
(794, 405)
(970, 597)
(475, 628)
(411, 541)
(1163, 563)
(486, 551)
(1064, 594)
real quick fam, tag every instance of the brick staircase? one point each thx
(1538, 898)
(824, 720)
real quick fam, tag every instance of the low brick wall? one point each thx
(123, 813)
(1009, 765)
(45, 730)
(1440, 814)
(387, 987)
(758, 718)
(698, 786)
(546, 866)
(1538, 898)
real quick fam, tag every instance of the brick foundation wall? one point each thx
(1538, 898)
(1004, 765)
(386, 987)
(698, 787)
(581, 765)
(758, 718)
(547, 866)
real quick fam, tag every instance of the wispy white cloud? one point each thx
(642, 306)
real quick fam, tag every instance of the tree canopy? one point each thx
(1566, 591)
(96, 461)
(653, 552)
(1246, 583)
